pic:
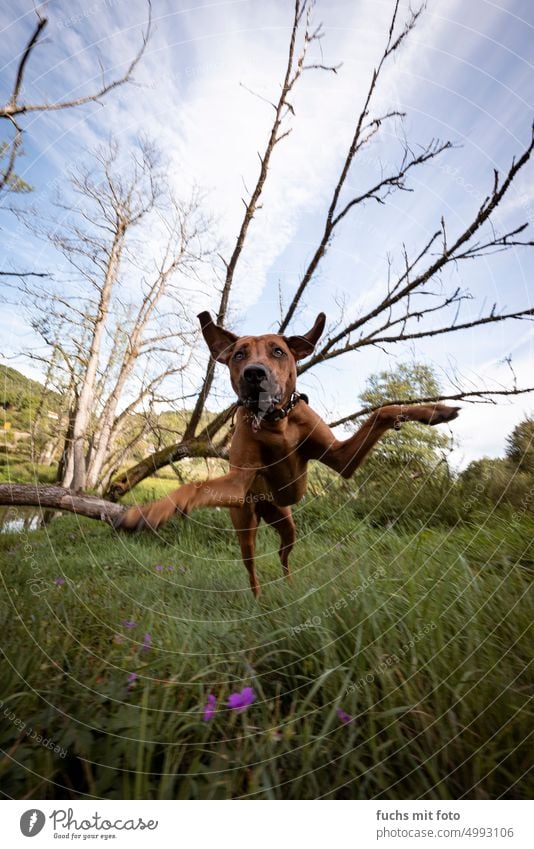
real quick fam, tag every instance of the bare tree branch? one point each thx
(30, 495)
(362, 134)
(173, 453)
(294, 69)
(14, 108)
(24, 274)
(408, 284)
(373, 339)
(481, 396)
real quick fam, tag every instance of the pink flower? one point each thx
(209, 708)
(132, 677)
(118, 638)
(147, 640)
(240, 701)
(344, 717)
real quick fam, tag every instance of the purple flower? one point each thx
(344, 717)
(147, 640)
(132, 677)
(240, 701)
(158, 568)
(209, 708)
(129, 623)
(170, 568)
(59, 581)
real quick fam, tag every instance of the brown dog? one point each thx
(276, 434)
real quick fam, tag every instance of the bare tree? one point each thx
(411, 299)
(17, 106)
(303, 35)
(413, 304)
(120, 326)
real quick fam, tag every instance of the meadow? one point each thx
(395, 666)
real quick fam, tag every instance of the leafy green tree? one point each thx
(406, 478)
(493, 482)
(520, 445)
(415, 446)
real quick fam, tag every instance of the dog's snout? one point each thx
(255, 374)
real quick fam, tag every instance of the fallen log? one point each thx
(58, 498)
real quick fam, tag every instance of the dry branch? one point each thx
(57, 498)
(481, 396)
(14, 108)
(362, 135)
(294, 68)
(170, 454)
(410, 283)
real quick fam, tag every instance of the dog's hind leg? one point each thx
(281, 519)
(245, 522)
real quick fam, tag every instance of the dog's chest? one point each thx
(276, 446)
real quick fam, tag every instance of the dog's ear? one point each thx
(303, 346)
(219, 341)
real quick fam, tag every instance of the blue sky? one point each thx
(466, 75)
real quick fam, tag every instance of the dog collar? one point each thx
(276, 415)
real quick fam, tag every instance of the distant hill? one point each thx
(19, 398)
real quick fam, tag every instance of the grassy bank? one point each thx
(421, 636)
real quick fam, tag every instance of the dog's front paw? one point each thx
(133, 519)
(440, 414)
(149, 517)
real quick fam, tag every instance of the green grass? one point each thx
(13, 469)
(422, 635)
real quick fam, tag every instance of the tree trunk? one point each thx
(101, 445)
(47, 453)
(30, 495)
(103, 435)
(66, 462)
(84, 406)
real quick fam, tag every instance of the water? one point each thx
(15, 520)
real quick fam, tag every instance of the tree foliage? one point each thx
(520, 445)
(414, 448)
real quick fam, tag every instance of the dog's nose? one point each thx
(255, 374)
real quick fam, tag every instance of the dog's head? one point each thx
(263, 369)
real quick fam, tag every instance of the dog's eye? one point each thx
(277, 352)
(239, 355)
